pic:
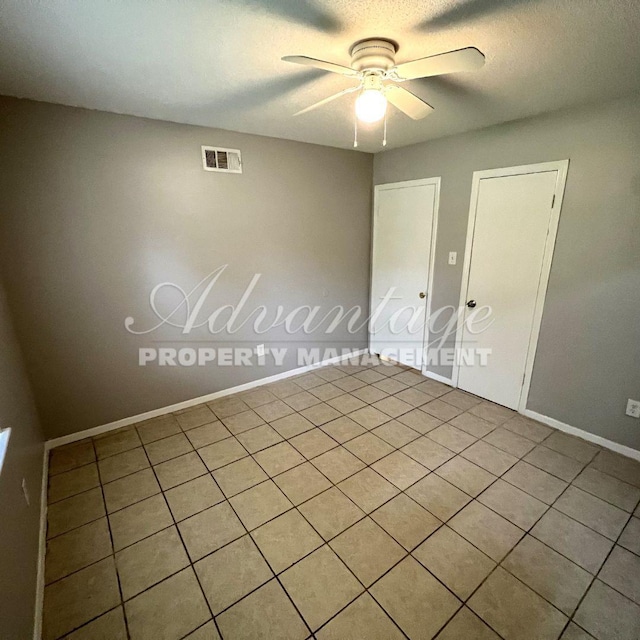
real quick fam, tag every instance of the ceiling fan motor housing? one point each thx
(373, 54)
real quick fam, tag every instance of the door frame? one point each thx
(561, 166)
(421, 182)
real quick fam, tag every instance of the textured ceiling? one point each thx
(217, 62)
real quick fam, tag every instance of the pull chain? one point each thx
(355, 133)
(384, 135)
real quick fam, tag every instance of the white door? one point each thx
(512, 226)
(403, 238)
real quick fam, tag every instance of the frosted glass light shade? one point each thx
(371, 106)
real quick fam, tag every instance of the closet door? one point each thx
(511, 235)
(403, 242)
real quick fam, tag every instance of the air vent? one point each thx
(225, 160)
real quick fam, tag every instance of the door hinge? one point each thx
(553, 201)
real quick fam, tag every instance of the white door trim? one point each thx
(422, 182)
(561, 166)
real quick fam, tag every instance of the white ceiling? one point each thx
(217, 62)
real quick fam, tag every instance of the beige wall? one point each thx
(18, 522)
(99, 208)
(588, 358)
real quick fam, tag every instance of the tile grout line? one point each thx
(310, 460)
(115, 566)
(527, 532)
(151, 466)
(359, 520)
(191, 564)
(521, 459)
(366, 589)
(406, 554)
(495, 425)
(368, 515)
(302, 463)
(595, 577)
(111, 555)
(263, 557)
(325, 542)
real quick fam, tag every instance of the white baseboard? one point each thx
(81, 435)
(585, 435)
(42, 547)
(561, 426)
(125, 422)
(438, 378)
(56, 442)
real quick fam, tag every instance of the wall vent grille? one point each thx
(223, 160)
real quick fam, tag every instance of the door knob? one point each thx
(471, 304)
(422, 294)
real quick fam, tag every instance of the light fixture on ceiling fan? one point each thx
(371, 104)
(373, 66)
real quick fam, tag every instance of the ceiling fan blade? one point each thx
(468, 59)
(327, 100)
(407, 102)
(321, 64)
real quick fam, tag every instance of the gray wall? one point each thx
(19, 526)
(99, 208)
(588, 358)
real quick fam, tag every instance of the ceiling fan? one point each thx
(373, 66)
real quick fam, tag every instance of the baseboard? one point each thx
(585, 435)
(125, 422)
(42, 547)
(556, 424)
(438, 378)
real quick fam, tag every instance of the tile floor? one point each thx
(359, 501)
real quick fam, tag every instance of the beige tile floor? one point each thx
(354, 502)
